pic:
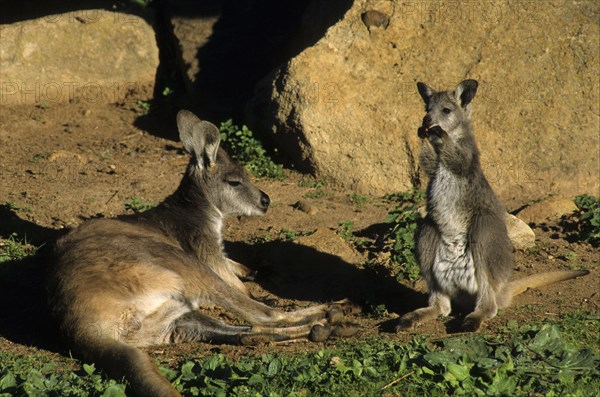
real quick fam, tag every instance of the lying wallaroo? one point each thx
(463, 247)
(144, 279)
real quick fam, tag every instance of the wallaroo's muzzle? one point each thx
(264, 200)
(426, 121)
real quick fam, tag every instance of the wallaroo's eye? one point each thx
(234, 182)
(446, 110)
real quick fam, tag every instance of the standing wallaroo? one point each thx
(144, 279)
(463, 247)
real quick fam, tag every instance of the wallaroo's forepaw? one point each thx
(436, 131)
(422, 132)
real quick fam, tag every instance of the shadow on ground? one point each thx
(298, 272)
(24, 316)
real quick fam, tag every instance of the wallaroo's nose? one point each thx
(426, 120)
(264, 200)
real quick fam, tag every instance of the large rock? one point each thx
(520, 234)
(347, 108)
(549, 210)
(90, 55)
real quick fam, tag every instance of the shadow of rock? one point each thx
(245, 42)
(295, 271)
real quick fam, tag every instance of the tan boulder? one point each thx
(96, 56)
(519, 233)
(547, 210)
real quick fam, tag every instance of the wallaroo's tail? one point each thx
(120, 360)
(516, 287)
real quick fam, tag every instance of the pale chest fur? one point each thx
(453, 267)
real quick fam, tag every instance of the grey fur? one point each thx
(463, 247)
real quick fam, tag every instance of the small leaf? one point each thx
(8, 381)
(460, 372)
(256, 379)
(89, 368)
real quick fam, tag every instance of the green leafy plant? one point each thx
(37, 376)
(312, 183)
(521, 360)
(527, 360)
(245, 148)
(137, 205)
(358, 200)
(145, 106)
(584, 224)
(346, 230)
(399, 239)
(15, 248)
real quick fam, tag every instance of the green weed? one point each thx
(241, 144)
(358, 200)
(137, 205)
(399, 238)
(317, 193)
(144, 106)
(312, 183)
(15, 248)
(584, 224)
(35, 375)
(346, 230)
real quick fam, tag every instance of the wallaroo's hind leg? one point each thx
(492, 254)
(198, 327)
(439, 305)
(485, 309)
(258, 313)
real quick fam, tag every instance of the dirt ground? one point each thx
(64, 164)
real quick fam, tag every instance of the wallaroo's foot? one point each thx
(346, 307)
(407, 322)
(472, 324)
(337, 310)
(345, 330)
(320, 333)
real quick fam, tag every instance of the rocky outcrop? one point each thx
(347, 108)
(89, 55)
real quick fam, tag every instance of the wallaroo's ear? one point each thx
(465, 92)
(200, 138)
(425, 91)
